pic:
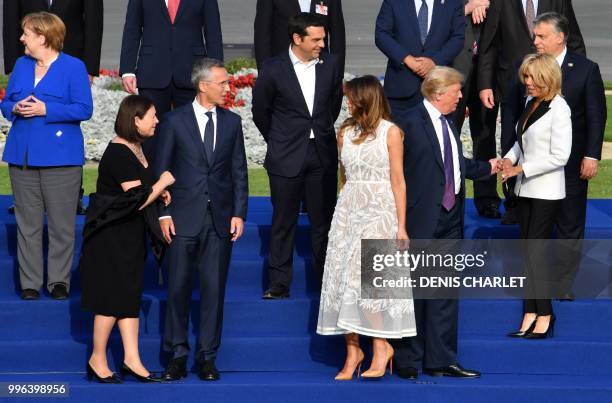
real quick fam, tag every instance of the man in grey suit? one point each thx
(486, 198)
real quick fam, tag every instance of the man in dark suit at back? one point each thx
(583, 90)
(484, 146)
(84, 20)
(435, 171)
(416, 36)
(272, 19)
(202, 146)
(161, 40)
(507, 38)
(296, 101)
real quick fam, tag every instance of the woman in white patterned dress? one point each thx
(371, 205)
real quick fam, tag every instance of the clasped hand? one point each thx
(30, 107)
(419, 65)
(509, 170)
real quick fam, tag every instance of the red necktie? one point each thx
(173, 6)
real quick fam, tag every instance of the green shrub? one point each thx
(240, 63)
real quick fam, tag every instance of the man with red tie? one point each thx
(161, 40)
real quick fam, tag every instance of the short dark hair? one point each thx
(131, 107)
(558, 21)
(299, 22)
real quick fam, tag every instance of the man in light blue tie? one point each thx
(416, 36)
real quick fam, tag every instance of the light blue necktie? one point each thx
(422, 18)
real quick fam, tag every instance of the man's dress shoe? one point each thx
(453, 370)
(208, 371)
(271, 294)
(29, 294)
(176, 369)
(407, 372)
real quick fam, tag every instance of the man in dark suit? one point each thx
(161, 40)
(416, 36)
(202, 146)
(271, 25)
(583, 91)
(484, 146)
(435, 172)
(296, 101)
(507, 38)
(84, 26)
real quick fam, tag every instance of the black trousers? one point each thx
(318, 188)
(536, 218)
(209, 256)
(435, 344)
(482, 129)
(164, 100)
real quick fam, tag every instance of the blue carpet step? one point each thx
(499, 354)
(247, 315)
(316, 387)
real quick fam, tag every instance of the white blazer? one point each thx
(546, 147)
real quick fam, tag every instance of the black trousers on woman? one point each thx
(536, 219)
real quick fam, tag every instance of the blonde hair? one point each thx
(48, 25)
(545, 73)
(438, 80)
(369, 106)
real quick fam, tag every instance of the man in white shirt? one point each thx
(296, 101)
(202, 145)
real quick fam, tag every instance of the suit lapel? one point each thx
(164, 10)
(544, 6)
(436, 16)
(320, 70)
(180, 11)
(410, 13)
(297, 90)
(431, 135)
(540, 111)
(191, 124)
(518, 5)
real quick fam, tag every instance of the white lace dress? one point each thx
(365, 210)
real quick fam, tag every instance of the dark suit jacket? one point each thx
(464, 62)
(506, 40)
(424, 173)
(84, 26)
(223, 181)
(583, 91)
(397, 36)
(281, 114)
(272, 33)
(158, 51)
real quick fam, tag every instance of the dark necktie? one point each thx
(422, 19)
(530, 15)
(209, 138)
(448, 200)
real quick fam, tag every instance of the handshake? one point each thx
(506, 167)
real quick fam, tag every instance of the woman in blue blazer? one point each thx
(47, 97)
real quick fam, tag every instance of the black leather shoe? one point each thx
(11, 209)
(208, 371)
(125, 370)
(454, 370)
(407, 373)
(91, 374)
(510, 217)
(59, 292)
(29, 294)
(521, 334)
(176, 369)
(80, 209)
(270, 294)
(491, 211)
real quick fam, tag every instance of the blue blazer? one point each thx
(424, 172)
(223, 181)
(158, 51)
(55, 139)
(397, 36)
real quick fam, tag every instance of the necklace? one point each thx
(137, 150)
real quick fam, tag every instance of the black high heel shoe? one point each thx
(550, 332)
(125, 370)
(523, 334)
(91, 374)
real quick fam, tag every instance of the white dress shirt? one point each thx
(202, 119)
(430, 6)
(434, 114)
(305, 5)
(307, 77)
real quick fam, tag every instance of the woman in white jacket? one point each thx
(537, 159)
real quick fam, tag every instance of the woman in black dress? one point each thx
(114, 247)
